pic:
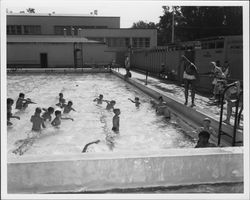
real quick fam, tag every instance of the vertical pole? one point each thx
(221, 113)
(173, 25)
(146, 82)
(235, 121)
(74, 51)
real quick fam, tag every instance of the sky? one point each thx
(128, 11)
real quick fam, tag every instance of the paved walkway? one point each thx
(202, 103)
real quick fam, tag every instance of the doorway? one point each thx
(43, 60)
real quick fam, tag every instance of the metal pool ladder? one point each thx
(236, 119)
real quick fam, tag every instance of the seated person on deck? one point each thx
(231, 96)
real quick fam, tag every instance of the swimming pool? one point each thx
(140, 129)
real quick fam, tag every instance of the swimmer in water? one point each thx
(110, 104)
(37, 121)
(162, 108)
(136, 101)
(57, 121)
(47, 114)
(116, 120)
(62, 101)
(68, 107)
(10, 102)
(99, 100)
(22, 103)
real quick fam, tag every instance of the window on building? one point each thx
(59, 30)
(32, 29)
(77, 29)
(127, 42)
(18, 30)
(219, 44)
(134, 42)
(141, 42)
(204, 45)
(211, 45)
(235, 46)
(117, 42)
(14, 30)
(147, 42)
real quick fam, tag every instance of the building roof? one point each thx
(55, 15)
(48, 39)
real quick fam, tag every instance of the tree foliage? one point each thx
(30, 10)
(142, 25)
(194, 22)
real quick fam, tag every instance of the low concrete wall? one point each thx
(92, 172)
(192, 116)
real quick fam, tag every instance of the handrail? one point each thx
(221, 114)
(236, 121)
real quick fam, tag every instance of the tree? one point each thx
(194, 22)
(30, 10)
(211, 21)
(166, 24)
(142, 24)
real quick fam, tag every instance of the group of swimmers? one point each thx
(37, 120)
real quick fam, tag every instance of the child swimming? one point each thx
(162, 109)
(68, 107)
(10, 102)
(47, 114)
(22, 103)
(61, 101)
(57, 121)
(116, 120)
(110, 104)
(37, 120)
(99, 99)
(136, 101)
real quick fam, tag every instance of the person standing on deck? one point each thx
(190, 76)
(219, 79)
(127, 63)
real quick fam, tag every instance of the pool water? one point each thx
(140, 128)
